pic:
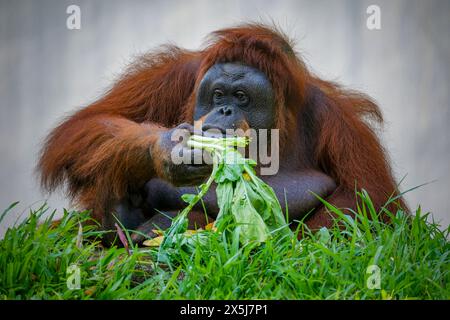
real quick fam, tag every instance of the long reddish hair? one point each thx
(331, 127)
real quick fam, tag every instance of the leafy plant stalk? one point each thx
(241, 195)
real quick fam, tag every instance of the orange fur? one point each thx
(102, 151)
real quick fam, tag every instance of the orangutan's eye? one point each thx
(218, 94)
(242, 97)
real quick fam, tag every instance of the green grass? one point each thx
(413, 257)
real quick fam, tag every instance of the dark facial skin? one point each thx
(232, 95)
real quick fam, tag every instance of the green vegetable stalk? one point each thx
(242, 197)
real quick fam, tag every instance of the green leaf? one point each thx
(248, 207)
(248, 220)
(324, 235)
(188, 197)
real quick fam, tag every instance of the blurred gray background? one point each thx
(47, 70)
